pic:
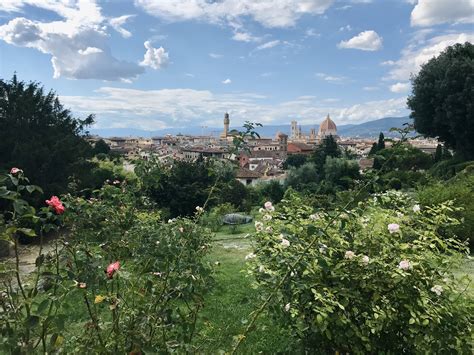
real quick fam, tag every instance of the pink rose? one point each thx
(14, 171)
(112, 268)
(56, 204)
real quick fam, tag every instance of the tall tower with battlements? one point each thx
(226, 126)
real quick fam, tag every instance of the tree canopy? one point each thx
(442, 98)
(40, 136)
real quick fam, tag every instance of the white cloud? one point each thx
(388, 63)
(268, 45)
(331, 78)
(400, 88)
(434, 12)
(366, 41)
(147, 109)
(226, 81)
(419, 53)
(215, 55)
(269, 13)
(370, 88)
(345, 28)
(81, 26)
(89, 50)
(311, 32)
(118, 22)
(155, 58)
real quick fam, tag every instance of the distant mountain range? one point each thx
(368, 129)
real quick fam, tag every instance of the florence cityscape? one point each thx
(236, 176)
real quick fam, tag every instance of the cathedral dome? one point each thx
(327, 125)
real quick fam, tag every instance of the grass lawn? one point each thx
(230, 302)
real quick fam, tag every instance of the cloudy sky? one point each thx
(152, 64)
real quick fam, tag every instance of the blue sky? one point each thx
(153, 64)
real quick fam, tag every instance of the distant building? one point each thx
(327, 128)
(299, 148)
(225, 134)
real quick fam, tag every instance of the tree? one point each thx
(438, 154)
(374, 149)
(101, 147)
(381, 142)
(40, 136)
(328, 148)
(295, 161)
(441, 101)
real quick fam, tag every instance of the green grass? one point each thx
(229, 303)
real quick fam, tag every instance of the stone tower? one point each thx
(226, 126)
(294, 130)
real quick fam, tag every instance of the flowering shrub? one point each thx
(121, 279)
(374, 279)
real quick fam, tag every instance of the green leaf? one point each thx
(411, 321)
(27, 231)
(43, 306)
(32, 321)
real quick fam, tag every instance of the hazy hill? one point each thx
(367, 129)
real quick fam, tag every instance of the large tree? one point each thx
(442, 99)
(40, 136)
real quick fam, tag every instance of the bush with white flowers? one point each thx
(374, 279)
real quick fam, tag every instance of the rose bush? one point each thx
(121, 279)
(374, 279)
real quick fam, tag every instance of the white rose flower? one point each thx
(437, 289)
(416, 208)
(393, 228)
(259, 226)
(285, 242)
(349, 254)
(405, 265)
(287, 307)
(365, 260)
(250, 256)
(267, 217)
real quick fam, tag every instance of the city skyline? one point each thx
(153, 65)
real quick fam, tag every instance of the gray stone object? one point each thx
(236, 218)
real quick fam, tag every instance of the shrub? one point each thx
(122, 280)
(374, 279)
(460, 189)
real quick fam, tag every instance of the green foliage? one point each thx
(381, 142)
(122, 280)
(178, 188)
(327, 148)
(441, 101)
(403, 157)
(101, 147)
(341, 172)
(295, 161)
(306, 177)
(40, 136)
(365, 275)
(460, 189)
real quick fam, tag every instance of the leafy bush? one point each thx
(461, 190)
(374, 279)
(122, 280)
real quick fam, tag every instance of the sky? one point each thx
(155, 64)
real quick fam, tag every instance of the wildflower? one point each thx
(267, 217)
(181, 229)
(323, 248)
(14, 171)
(437, 289)
(99, 299)
(287, 307)
(199, 209)
(250, 256)
(116, 182)
(405, 265)
(170, 220)
(365, 260)
(259, 226)
(82, 285)
(285, 242)
(349, 254)
(314, 217)
(416, 208)
(269, 207)
(393, 228)
(112, 268)
(399, 214)
(56, 204)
